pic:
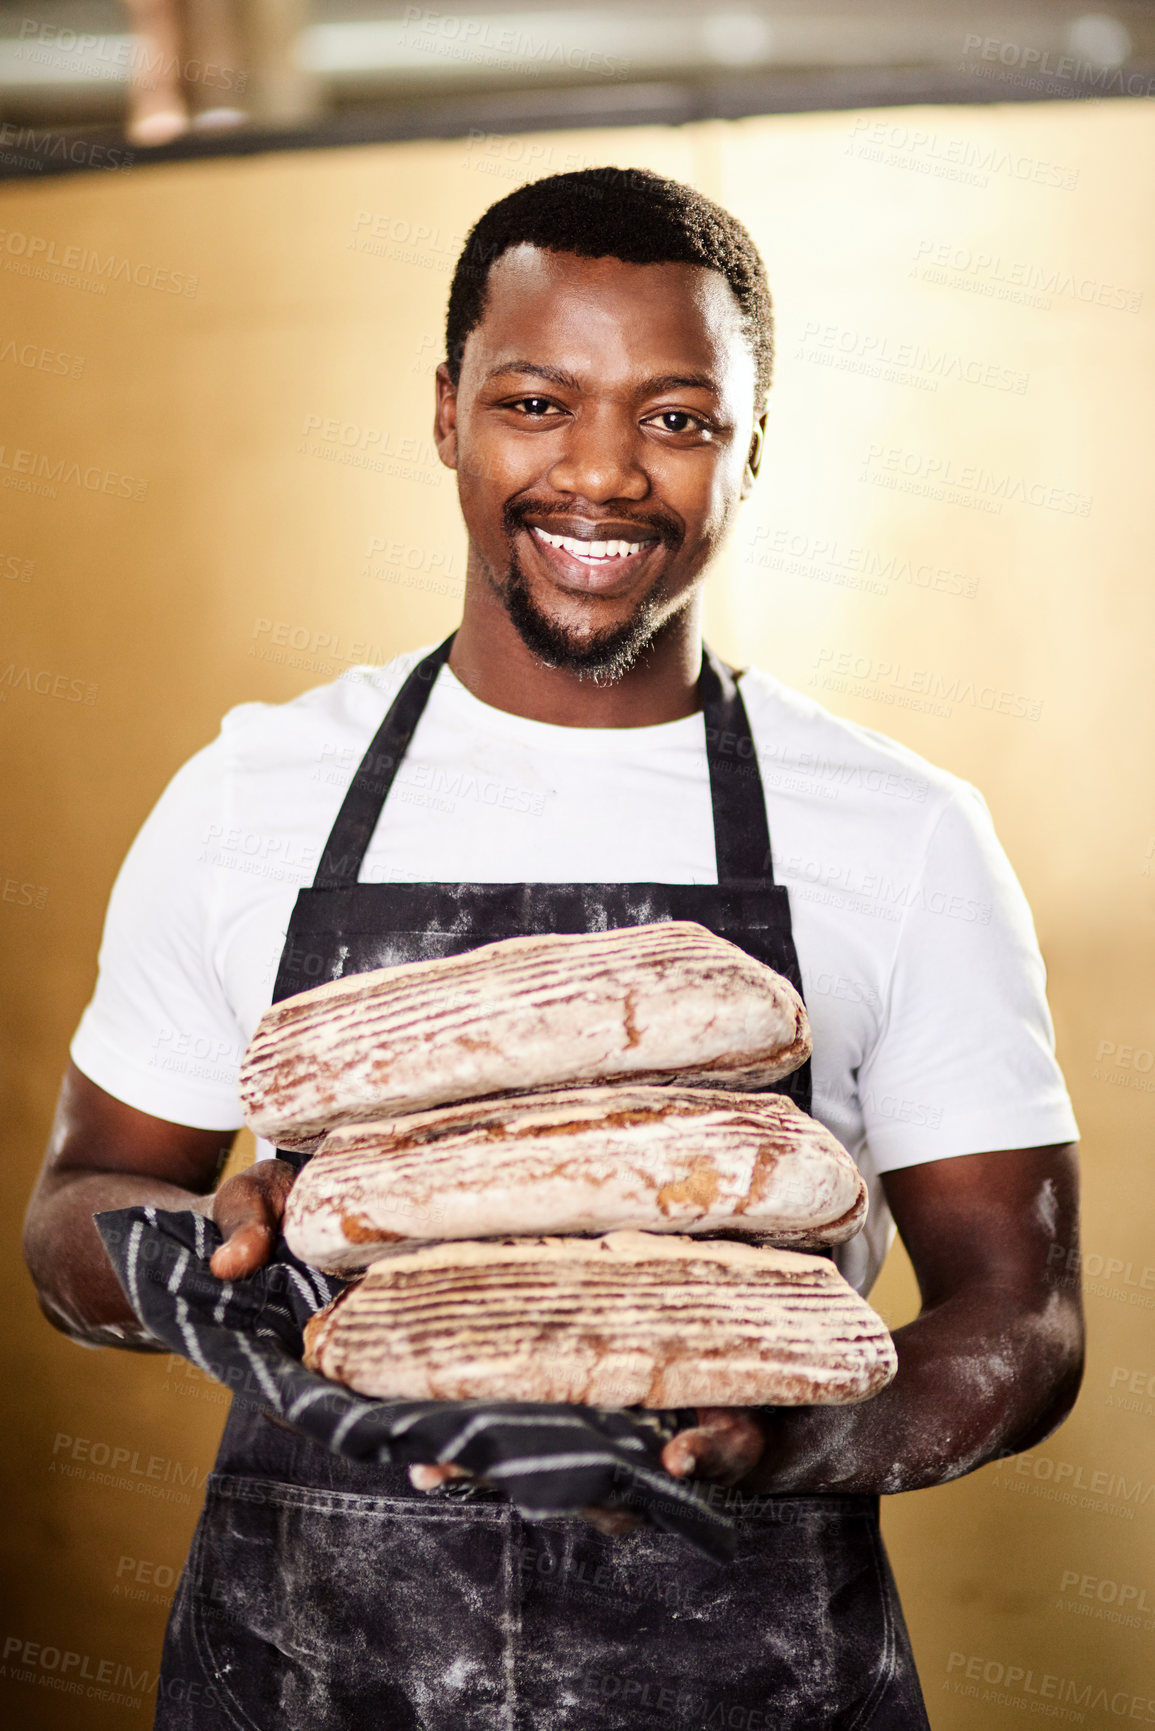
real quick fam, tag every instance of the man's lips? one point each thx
(605, 563)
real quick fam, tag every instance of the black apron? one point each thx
(326, 1594)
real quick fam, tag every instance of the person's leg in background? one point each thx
(187, 68)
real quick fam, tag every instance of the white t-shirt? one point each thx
(920, 968)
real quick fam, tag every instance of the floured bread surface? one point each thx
(583, 1160)
(628, 1319)
(648, 1003)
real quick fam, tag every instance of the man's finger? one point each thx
(610, 1521)
(724, 1445)
(248, 1209)
(244, 1251)
(427, 1475)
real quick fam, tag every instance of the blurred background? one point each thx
(341, 69)
(218, 485)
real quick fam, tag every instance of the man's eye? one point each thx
(678, 421)
(534, 405)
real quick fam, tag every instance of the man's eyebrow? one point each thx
(534, 369)
(649, 388)
(680, 382)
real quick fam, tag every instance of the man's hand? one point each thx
(993, 1360)
(725, 1444)
(103, 1154)
(249, 1209)
(430, 1475)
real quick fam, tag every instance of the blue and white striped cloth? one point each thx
(549, 1460)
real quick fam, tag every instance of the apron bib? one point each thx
(326, 1594)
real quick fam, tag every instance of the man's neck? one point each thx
(498, 668)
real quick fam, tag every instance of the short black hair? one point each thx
(625, 213)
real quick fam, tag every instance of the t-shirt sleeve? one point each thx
(965, 1060)
(159, 1033)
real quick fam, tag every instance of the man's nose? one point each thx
(602, 458)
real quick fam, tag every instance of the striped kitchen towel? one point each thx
(549, 1460)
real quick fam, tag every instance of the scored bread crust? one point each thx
(581, 1160)
(648, 1003)
(624, 1320)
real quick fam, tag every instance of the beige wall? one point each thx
(1010, 643)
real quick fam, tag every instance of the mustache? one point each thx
(660, 523)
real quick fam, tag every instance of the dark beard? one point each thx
(603, 658)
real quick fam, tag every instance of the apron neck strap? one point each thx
(357, 819)
(741, 833)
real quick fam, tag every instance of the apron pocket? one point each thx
(635, 1633)
(336, 1611)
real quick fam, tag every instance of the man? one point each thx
(609, 343)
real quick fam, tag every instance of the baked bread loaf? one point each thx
(581, 1160)
(629, 1319)
(648, 1003)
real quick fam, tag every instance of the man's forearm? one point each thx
(979, 1375)
(75, 1283)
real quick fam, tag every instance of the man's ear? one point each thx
(445, 418)
(754, 455)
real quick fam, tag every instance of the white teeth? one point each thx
(592, 550)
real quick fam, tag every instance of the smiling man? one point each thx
(596, 490)
(571, 759)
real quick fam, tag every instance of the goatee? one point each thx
(602, 658)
